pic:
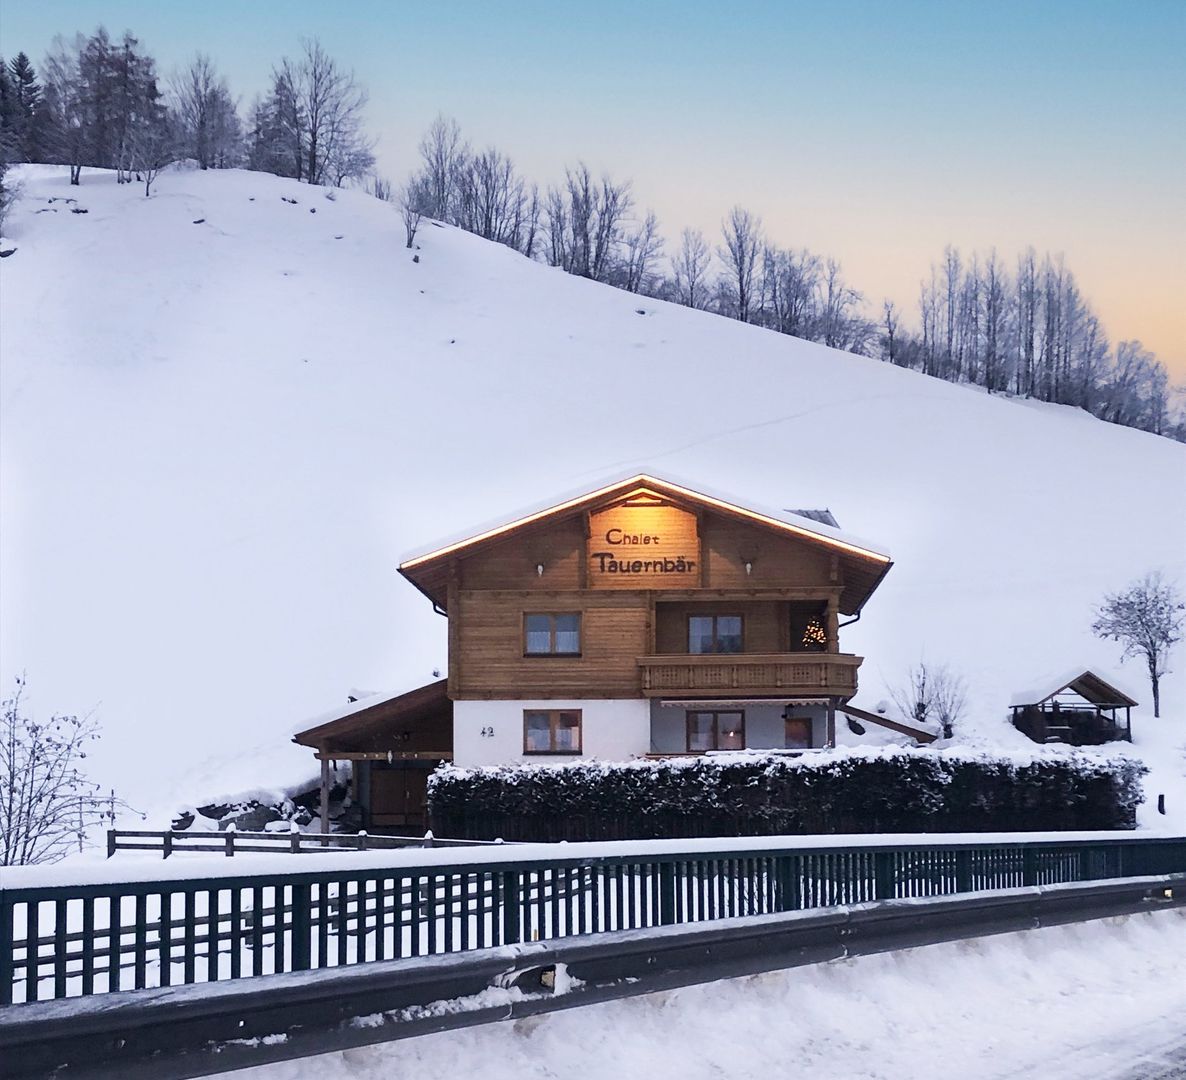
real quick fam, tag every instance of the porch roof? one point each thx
(374, 723)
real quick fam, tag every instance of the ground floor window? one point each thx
(716, 731)
(552, 731)
(798, 732)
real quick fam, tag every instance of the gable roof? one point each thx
(875, 561)
(1088, 685)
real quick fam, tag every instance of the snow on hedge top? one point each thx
(695, 491)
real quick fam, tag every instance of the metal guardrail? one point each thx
(194, 1030)
(230, 841)
(76, 940)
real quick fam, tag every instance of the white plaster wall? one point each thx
(611, 729)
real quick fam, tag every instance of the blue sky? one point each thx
(872, 131)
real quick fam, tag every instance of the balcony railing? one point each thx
(766, 674)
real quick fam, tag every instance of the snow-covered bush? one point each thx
(854, 791)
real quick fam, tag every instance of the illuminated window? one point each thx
(552, 731)
(798, 733)
(714, 634)
(716, 731)
(552, 634)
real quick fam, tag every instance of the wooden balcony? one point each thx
(759, 674)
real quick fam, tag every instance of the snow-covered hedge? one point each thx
(855, 791)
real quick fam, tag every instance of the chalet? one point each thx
(642, 618)
(1077, 707)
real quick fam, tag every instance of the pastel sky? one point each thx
(873, 131)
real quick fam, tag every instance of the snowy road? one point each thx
(1095, 1001)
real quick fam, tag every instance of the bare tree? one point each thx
(208, 122)
(691, 269)
(332, 104)
(65, 98)
(932, 693)
(47, 804)
(441, 151)
(642, 248)
(412, 199)
(890, 318)
(585, 220)
(742, 233)
(1146, 618)
(380, 188)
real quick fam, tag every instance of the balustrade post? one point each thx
(302, 935)
(110, 842)
(883, 874)
(510, 907)
(963, 870)
(7, 949)
(1029, 866)
(167, 846)
(666, 894)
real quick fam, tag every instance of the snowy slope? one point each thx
(225, 418)
(1097, 999)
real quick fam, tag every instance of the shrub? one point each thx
(893, 790)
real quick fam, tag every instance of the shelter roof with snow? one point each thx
(1087, 684)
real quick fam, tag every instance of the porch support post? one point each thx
(324, 797)
(831, 722)
(833, 626)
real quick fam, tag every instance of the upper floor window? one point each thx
(552, 731)
(552, 634)
(714, 634)
(716, 731)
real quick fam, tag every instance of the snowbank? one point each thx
(1091, 999)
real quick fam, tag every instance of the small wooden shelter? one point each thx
(1081, 709)
(392, 743)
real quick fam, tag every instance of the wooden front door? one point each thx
(399, 795)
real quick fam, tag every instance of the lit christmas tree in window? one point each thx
(814, 636)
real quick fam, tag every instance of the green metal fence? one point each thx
(69, 940)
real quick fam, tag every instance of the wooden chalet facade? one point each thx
(643, 618)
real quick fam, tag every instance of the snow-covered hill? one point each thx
(226, 414)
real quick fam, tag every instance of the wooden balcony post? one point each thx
(833, 627)
(324, 807)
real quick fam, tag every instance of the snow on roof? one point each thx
(1047, 687)
(794, 519)
(372, 699)
(824, 516)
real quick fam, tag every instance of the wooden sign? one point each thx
(643, 543)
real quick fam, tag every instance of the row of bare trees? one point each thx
(100, 103)
(1026, 328)
(1023, 328)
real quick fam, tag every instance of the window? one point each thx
(716, 731)
(798, 733)
(552, 635)
(714, 633)
(552, 731)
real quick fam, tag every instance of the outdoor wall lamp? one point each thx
(749, 567)
(539, 569)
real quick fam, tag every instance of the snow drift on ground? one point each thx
(1095, 1000)
(226, 415)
